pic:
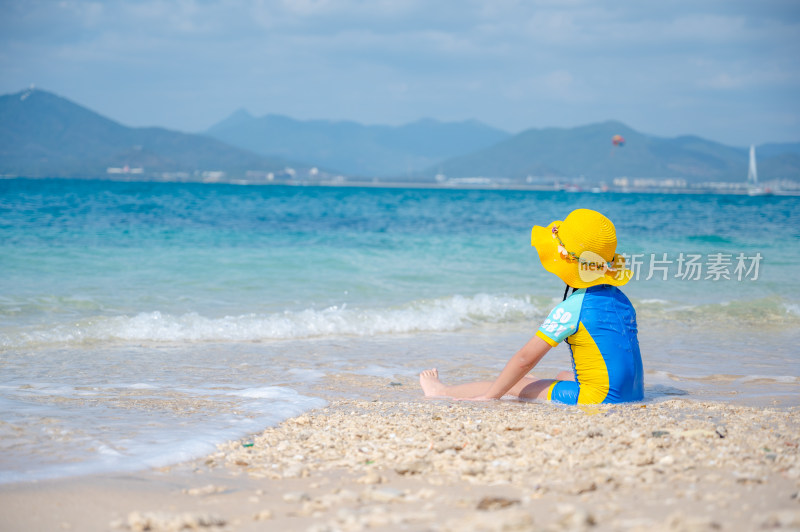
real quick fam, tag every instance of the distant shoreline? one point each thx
(434, 186)
(533, 188)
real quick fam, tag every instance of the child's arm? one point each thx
(520, 364)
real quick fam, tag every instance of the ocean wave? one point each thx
(446, 314)
(435, 315)
(766, 311)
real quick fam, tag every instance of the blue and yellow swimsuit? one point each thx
(599, 324)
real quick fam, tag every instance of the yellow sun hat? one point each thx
(581, 250)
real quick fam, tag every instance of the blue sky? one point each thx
(727, 70)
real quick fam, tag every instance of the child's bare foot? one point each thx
(431, 385)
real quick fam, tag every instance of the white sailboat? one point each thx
(753, 188)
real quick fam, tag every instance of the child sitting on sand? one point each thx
(597, 321)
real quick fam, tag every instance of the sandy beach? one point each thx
(402, 462)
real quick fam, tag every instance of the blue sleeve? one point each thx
(563, 319)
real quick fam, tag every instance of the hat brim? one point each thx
(552, 261)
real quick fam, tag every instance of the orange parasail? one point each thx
(618, 140)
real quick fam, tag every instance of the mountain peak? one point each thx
(24, 95)
(241, 114)
(31, 92)
(236, 119)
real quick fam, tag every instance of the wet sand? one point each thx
(401, 462)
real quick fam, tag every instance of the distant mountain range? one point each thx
(44, 135)
(589, 151)
(355, 149)
(423, 149)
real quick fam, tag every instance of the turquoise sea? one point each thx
(143, 323)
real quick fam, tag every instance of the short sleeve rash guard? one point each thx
(599, 325)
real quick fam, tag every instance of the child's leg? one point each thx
(433, 387)
(526, 388)
(529, 388)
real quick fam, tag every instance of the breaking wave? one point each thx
(436, 315)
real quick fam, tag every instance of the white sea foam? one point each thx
(444, 314)
(142, 439)
(782, 379)
(266, 392)
(793, 308)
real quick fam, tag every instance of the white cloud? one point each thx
(383, 60)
